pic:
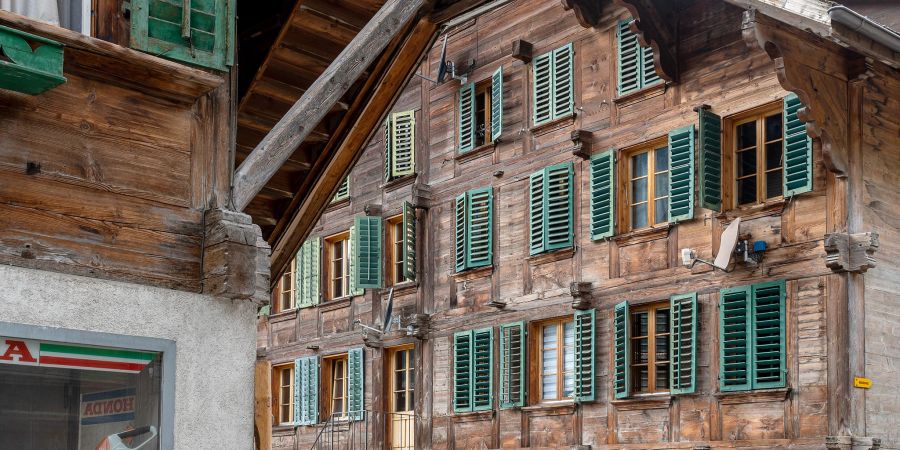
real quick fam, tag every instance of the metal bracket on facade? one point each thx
(851, 252)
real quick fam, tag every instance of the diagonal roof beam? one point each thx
(309, 110)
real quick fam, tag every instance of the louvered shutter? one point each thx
(628, 59)
(768, 335)
(306, 390)
(710, 160)
(367, 251)
(497, 104)
(621, 352)
(734, 339)
(356, 381)
(479, 233)
(462, 371)
(343, 190)
(681, 174)
(559, 215)
(205, 39)
(409, 241)
(543, 88)
(467, 118)
(482, 369)
(460, 210)
(563, 91)
(798, 170)
(585, 355)
(354, 289)
(603, 190)
(512, 365)
(683, 343)
(403, 161)
(388, 147)
(536, 213)
(648, 69)
(307, 269)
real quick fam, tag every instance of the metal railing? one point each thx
(339, 432)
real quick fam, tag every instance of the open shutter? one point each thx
(482, 369)
(388, 147)
(343, 190)
(768, 335)
(558, 202)
(354, 289)
(205, 37)
(710, 160)
(462, 371)
(512, 365)
(543, 88)
(497, 104)
(648, 69)
(603, 195)
(536, 213)
(403, 157)
(797, 150)
(367, 251)
(409, 241)
(306, 390)
(307, 286)
(480, 213)
(467, 118)
(683, 343)
(356, 381)
(628, 59)
(621, 352)
(681, 174)
(563, 92)
(461, 209)
(735, 345)
(585, 390)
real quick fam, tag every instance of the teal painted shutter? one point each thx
(306, 390)
(543, 88)
(497, 104)
(681, 174)
(648, 69)
(367, 251)
(307, 286)
(683, 343)
(512, 365)
(621, 352)
(343, 190)
(603, 190)
(403, 144)
(585, 355)
(461, 210)
(388, 147)
(482, 369)
(354, 289)
(710, 160)
(462, 371)
(356, 381)
(798, 171)
(536, 213)
(205, 39)
(558, 206)
(467, 118)
(628, 59)
(563, 92)
(409, 241)
(734, 341)
(768, 335)
(479, 218)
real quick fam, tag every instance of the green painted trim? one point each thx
(29, 71)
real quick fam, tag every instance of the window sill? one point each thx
(282, 430)
(471, 274)
(643, 401)
(643, 235)
(337, 303)
(770, 208)
(337, 205)
(477, 152)
(404, 288)
(282, 316)
(552, 256)
(553, 125)
(753, 396)
(473, 416)
(640, 94)
(397, 183)
(555, 408)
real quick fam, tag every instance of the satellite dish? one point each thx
(727, 243)
(386, 324)
(442, 69)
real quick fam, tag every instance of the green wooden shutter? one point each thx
(621, 352)
(367, 251)
(343, 190)
(543, 88)
(734, 340)
(462, 371)
(354, 289)
(26, 69)
(798, 171)
(403, 156)
(710, 160)
(648, 69)
(563, 90)
(205, 39)
(768, 335)
(497, 104)
(681, 174)
(356, 381)
(512, 365)
(467, 118)
(307, 269)
(479, 233)
(461, 210)
(536, 213)
(482, 369)
(628, 59)
(585, 355)
(603, 191)
(388, 147)
(683, 343)
(306, 390)
(409, 241)
(558, 206)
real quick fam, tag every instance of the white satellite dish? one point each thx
(726, 244)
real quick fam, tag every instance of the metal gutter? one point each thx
(468, 15)
(865, 26)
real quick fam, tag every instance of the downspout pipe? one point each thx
(865, 26)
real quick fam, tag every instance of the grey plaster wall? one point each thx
(215, 340)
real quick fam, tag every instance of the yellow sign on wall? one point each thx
(861, 382)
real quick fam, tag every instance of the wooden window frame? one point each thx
(277, 386)
(623, 184)
(289, 276)
(650, 309)
(328, 381)
(483, 87)
(395, 236)
(729, 148)
(389, 368)
(328, 271)
(536, 364)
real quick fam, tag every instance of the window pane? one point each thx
(662, 320)
(746, 190)
(774, 155)
(400, 380)
(661, 185)
(400, 401)
(639, 190)
(746, 135)
(662, 376)
(773, 127)
(639, 325)
(661, 160)
(746, 163)
(774, 186)
(639, 216)
(662, 348)
(661, 213)
(639, 165)
(640, 355)
(400, 360)
(569, 359)
(641, 382)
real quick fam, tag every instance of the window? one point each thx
(650, 348)
(285, 289)
(647, 186)
(74, 15)
(473, 366)
(399, 145)
(284, 394)
(474, 216)
(634, 63)
(402, 246)
(402, 378)
(336, 386)
(337, 269)
(480, 112)
(563, 355)
(553, 85)
(758, 158)
(551, 209)
(751, 327)
(306, 273)
(343, 191)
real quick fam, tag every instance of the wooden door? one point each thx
(401, 408)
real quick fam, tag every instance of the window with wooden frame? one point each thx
(756, 155)
(397, 240)
(337, 266)
(336, 386)
(283, 384)
(401, 375)
(645, 184)
(286, 287)
(553, 364)
(480, 112)
(650, 348)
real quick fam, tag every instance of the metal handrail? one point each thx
(340, 432)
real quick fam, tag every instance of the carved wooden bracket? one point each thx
(421, 324)
(852, 442)
(523, 51)
(235, 257)
(851, 252)
(581, 294)
(582, 143)
(372, 209)
(372, 339)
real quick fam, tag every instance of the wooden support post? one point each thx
(262, 429)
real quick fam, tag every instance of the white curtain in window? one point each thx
(43, 10)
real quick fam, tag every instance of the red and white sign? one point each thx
(19, 351)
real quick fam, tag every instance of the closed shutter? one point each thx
(621, 352)
(343, 190)
(710, 160)
(403, 144)
(388, 147)
(497, 104)
(482, 368)
(768, 335)
(683, 343)
(603, 195)
(354, 289)
(307, 272)
(367, 251)
(559, 216)
(306, 390)
(409, 241)
(681, 174)
(512, 365)
(797, 150)
(543, 88)
(461, 209)
(628, 59)
(467, 118)
(585, 355)
(536, 213)
(734, 346)
(462, 371)
(479, 232)
(356, 381)
(563, 90)
(205, 37)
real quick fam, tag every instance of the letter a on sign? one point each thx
(18, 351)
